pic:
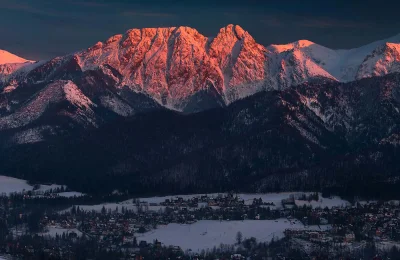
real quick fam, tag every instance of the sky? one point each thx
(42, 29)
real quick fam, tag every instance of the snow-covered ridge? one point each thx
(172, 65)
(343, 65)
(54, 93)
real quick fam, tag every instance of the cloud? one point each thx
(147, 14)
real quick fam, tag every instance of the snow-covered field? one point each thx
(10, 185)
(206, 234)
(324, 202)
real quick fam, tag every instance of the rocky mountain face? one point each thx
(171, 106)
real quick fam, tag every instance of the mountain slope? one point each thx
(9, 63)
(172, 152)
(273, 140)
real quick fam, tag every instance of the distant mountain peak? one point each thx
(7, 57)
(290, 46)
(232, 29)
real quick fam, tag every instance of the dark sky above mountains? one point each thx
(41, 29)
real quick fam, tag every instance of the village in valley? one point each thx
(50, 224)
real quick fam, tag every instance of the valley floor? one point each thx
(207, 234)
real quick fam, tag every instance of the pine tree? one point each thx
(239, 237)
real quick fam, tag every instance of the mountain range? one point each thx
(169, 109)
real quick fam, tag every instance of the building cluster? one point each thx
(121, 229)
(368, 222)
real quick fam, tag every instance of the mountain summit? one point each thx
(7, 57)
(174, 64)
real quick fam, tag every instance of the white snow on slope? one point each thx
(341, 64)
(55, 92)
(206, 234)
(30, 136)
(10, 185)
(352, 59)
(75, 96)
(34, 109)
(384, 59)
(7, 69)
(116, 105)
(16, 71)
(23, 69)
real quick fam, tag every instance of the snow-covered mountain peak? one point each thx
(114, 38)
(232, 30)
(345, 65)
(393, 46)
(383, 60)
(7, 57)
(291, 46)
(173, 64)
(303, 43)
